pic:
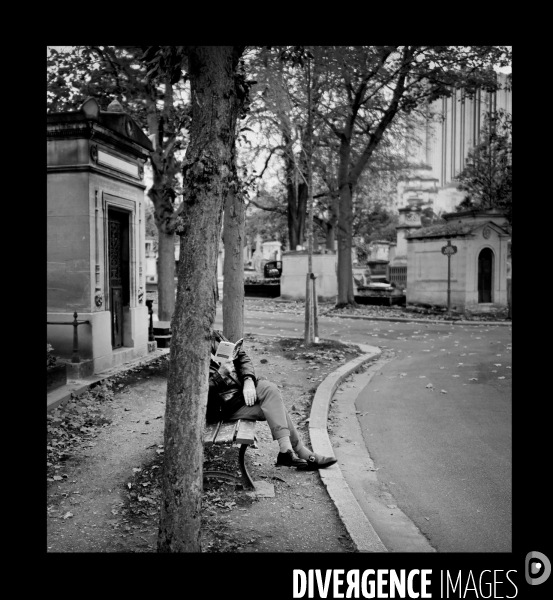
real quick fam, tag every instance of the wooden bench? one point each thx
(228, 432)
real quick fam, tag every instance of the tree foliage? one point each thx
(359, 95)
(270, 223)
(367, 87)
(156, 97)
(487, 178)
(378, 224)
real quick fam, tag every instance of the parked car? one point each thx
(272, 269)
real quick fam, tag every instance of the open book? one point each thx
(227, 351)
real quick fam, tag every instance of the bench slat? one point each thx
(245, 433)
(226, 433)
(210, 433)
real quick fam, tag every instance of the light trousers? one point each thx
(269, 407)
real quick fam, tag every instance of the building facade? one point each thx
(444, 141)
(96, 234)
(479, 270)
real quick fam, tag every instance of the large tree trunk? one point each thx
(296, 211)
(233, 267)
(206, 175)
(345, 222)
(166, 275)
(296, 192)
(293, 234)
(330, 241)
(345, 219)
(303, 194)
(331, 223)
(162, 195)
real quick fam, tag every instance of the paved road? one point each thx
(445, 457)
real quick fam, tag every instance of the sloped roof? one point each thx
(445, 230)
(119, 122)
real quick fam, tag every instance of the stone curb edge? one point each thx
(62, 395)
(406, 320)
(425, 321)
(354, 519)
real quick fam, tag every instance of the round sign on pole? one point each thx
(449, 250)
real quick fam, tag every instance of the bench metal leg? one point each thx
(246, 479)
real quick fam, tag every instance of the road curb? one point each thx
(354, 519)
(425, 321)
(76, 387)
(400, 319)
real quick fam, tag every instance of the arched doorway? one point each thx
(485, 275)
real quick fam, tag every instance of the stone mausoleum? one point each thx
(480, 269)
(96, 236)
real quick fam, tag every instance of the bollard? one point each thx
(75, 358)
(151, 337)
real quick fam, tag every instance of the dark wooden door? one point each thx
(485, 272)
(119, 274)
(115, 281)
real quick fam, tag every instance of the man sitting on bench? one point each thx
(236, 393)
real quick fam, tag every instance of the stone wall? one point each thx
(68, 243)
(427, 273)
(294, 270)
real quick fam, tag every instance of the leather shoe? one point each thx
(290, 459)
(313, 465)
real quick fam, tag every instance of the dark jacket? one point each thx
(225, 394)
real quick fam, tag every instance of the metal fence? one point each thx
(398, 275)
(75, 358)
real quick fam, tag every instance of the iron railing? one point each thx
(398, 275)
(75, 358)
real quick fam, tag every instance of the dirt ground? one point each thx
(105, 454)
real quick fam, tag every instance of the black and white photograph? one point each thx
(279, 314)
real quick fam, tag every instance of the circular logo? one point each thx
(487, 232)
(538, 568)
(129, 128)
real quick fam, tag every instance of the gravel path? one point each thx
(105, 497)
